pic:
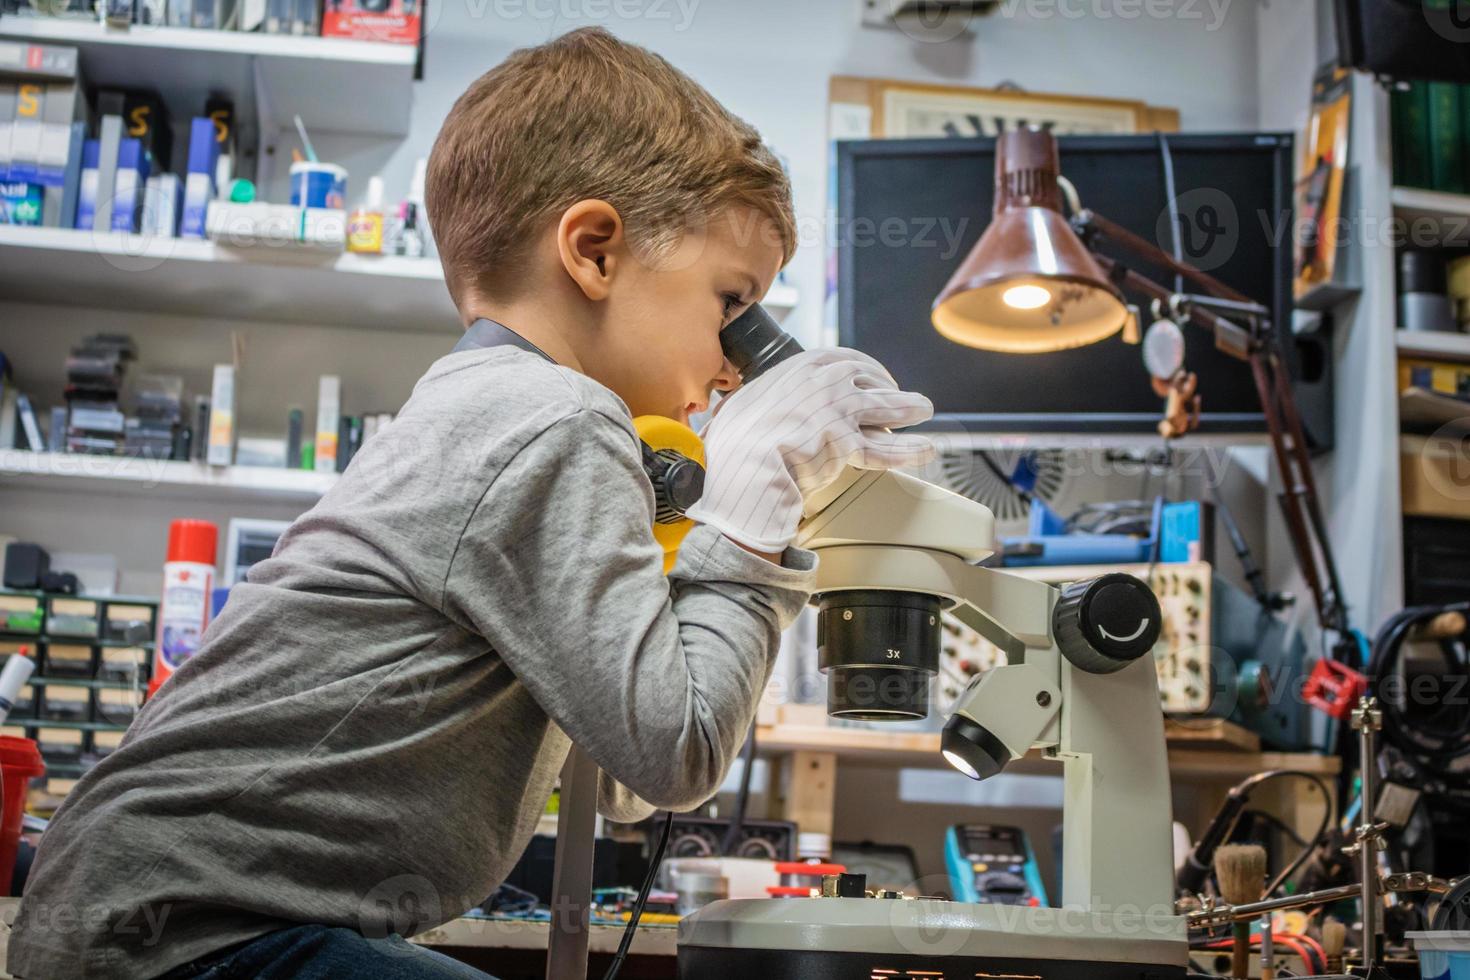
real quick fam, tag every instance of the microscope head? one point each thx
(1099, 626)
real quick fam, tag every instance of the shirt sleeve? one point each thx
(656, 678)
(617, 802)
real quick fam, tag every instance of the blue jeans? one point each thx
(316, 952)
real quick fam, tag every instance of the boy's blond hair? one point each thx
(589, 116)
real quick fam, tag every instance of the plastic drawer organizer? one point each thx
(93, 657)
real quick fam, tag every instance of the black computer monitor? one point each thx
(910, 210)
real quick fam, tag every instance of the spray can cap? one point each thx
(192, 540)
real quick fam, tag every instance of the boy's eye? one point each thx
(732, 303)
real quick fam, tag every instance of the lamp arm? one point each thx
(1090, 225)
(1230, 337)
(1259, 346)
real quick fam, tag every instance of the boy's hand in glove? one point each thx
(792, 431)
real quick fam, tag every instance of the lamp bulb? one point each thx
(1027, 297)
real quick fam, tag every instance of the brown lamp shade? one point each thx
(1029, 285)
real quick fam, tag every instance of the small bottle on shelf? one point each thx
(365, 225)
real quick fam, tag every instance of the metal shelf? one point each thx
(335, 84)
(112, 270)
(1433, 344)
(58, 639)
(154, 477)
(86, 682)
(1432, 217)
(86, 726)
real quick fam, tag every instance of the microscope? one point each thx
(1079, 685)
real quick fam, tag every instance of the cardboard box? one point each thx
(395, 21)
(25, 133)
(328, 418)
(1434, 476)
(8, 96)
(43, 61)
(222, 417)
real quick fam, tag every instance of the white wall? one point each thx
(1359, 480)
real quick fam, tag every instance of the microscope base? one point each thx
(859, 939)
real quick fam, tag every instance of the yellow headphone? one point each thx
(673, 457)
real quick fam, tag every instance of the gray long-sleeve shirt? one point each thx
(377, 718)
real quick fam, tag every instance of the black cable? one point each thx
(648, 879)
(1196, 866)
(1276, 824)
(1253, 576)
(1435, 753)
(1329, 817)
(742, 799)
(1169, 193)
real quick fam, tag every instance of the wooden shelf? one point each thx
(335, 84)
(1189, 760)
(1433, 217)
(1433, 344)
(154, 477)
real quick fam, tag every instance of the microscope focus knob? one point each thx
(1104, 624)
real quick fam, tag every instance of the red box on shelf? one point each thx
(395, 21)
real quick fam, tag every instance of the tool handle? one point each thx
(1240, 960)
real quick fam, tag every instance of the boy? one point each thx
(362, 746)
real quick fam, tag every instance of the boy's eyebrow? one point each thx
(752, 286)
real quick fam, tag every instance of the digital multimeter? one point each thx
(992, 865)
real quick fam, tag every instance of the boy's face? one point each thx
(658, 339)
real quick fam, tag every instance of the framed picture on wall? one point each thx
(896, 109)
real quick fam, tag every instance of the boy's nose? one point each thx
(728, 379)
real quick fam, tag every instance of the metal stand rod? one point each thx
(1226, 914)
(571, 888)
(1368, 719)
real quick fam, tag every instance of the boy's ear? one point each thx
(589, 239)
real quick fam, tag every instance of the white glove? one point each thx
(792, 432)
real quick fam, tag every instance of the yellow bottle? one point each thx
(365, 224)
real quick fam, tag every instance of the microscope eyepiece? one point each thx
(754, 343)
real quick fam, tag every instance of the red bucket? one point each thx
(20, 762)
